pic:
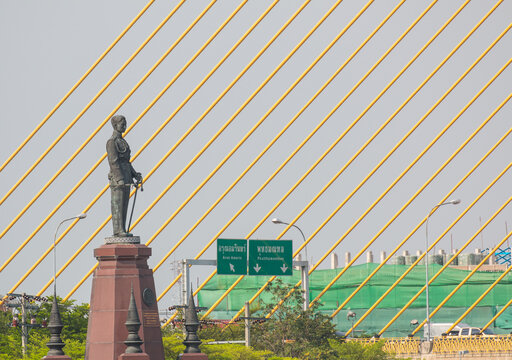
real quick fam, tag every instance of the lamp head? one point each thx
(82, 216)
(455, 202)
(277, 221)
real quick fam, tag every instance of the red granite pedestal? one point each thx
(122, 266)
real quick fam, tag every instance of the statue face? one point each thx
(120, 126)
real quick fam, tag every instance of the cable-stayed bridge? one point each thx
(350, 119)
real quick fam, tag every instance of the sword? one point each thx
(139, 182)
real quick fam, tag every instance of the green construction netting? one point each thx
(372, 291)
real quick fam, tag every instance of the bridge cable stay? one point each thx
(68, 94)
(104, 156)
(441, 270)
(138, 152)
(424, 186)
(64, 132)
(132, 125)
(421, 256)
(254, 195)
(245, 104)
(168, 153)
(248, 168)
(445, 198)
(468, 276)
(498, 314)
(239, 279)
(254, 161)
(332, 180)
(380, 198)
(225, 294)
(480, 298)
(430, 247)
(143, 147)
(260, 155)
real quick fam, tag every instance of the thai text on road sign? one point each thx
(270, 257)
(231, 256)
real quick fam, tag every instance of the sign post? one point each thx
(231, 256)
(270, 257)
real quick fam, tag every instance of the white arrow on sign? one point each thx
(284, 268)
(232, 267)
(257, 268)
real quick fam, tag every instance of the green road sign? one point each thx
(270, 257)
(231, 257)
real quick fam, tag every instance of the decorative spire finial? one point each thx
(55, 327)
(133, 341)
(192, 341)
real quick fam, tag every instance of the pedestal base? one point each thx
(122, 266)
(57, 357)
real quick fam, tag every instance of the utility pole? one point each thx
(247, 325)
(24, 307)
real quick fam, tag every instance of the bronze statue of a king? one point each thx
(121, 175)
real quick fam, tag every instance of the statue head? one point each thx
(118, 123)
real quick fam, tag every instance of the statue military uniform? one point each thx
(121, 175)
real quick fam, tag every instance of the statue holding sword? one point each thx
(121, 177)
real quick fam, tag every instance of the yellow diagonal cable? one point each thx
(468, 276)
(430, 247)
(240, 278)
(480, 298)
(64, 132)
(224, 92)
(385, 192)
(147, 143)
(261, 188)
(498, 314)
(248, 168)
(104, 155)
(400, 177)
(257, 158)
(151, 138)
(339, 138)
(345, 166)
(446, 197)
(141, 81)
(418, 260)
(50, 114)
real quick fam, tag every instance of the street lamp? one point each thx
(81, 216)
(278, 221)
(351, 316)
(451, 202)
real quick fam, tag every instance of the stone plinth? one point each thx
(122, 266)
(57, 357)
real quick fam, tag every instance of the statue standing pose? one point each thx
(121, 175)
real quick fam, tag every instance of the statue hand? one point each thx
(138, 177)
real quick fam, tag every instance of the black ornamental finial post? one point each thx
(192, 341)
(55, 327)
(133, 341)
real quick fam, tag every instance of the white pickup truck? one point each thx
(461, 329)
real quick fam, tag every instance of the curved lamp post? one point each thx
(279, 221)
(81, 216)
(451, 202)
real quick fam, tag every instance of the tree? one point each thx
(291, 331)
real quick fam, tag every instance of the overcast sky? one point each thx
(47, 46)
